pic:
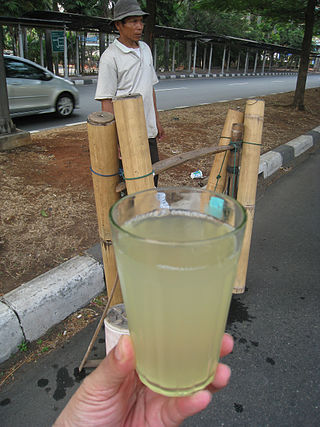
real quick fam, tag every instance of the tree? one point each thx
(151, 8)
(298, 101)
(304, 13)
(6, 124)
(11, 8)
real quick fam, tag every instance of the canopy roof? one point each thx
(77, 22)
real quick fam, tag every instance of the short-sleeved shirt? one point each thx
(123, 71)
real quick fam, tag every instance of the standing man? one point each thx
(126, 66)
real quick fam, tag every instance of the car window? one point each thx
(21, 70)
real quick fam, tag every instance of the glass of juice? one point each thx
(177, 251)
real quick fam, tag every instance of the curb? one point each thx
(193, 75)
(28, 312)
(283, 155)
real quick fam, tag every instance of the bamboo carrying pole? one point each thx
(217, 177)
(253, 123)
(103, 147)
(133, 141)
(173, 161)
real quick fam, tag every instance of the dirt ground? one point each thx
(47, 205)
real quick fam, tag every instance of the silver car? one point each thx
(33, 89)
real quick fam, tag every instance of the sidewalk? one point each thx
(275, 377)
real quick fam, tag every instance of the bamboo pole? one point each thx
(253, 123)
(217, 177)
(105, 176)
(133, 141)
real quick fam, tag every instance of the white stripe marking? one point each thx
(237, 84)
(173, 88)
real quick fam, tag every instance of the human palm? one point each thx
(113, 395)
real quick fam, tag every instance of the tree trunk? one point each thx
(102, 42)
(298, 101)
(49, 62)
(83, 52)
(6, 124)
(150, 23)
(25, 42)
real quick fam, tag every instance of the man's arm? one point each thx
(106, 105)
(160, 128)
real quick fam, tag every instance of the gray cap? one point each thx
(126, 8)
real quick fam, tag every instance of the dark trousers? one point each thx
(153, 146)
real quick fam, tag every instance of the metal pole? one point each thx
(41, 50)
(77, 55)
(210, 58)
(264, 61)
(204, 58)
(255, 62)
(155, 55)
(223, 59)
(270, 63)
(190, 54)
(238, 61)
(65, 51)
(194, 57)
(246, 62)
(20, 42)
(228, 60)
(173, 56)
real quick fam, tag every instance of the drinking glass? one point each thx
(177, 251)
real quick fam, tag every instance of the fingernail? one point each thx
(119, 350)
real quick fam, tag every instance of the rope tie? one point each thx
(236, 145)
(103, 175)
(138, 177)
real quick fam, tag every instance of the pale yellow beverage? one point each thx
(176, 270)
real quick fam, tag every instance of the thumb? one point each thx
(114, 368)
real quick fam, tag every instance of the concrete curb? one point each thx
(29, 311)
(283, 155)
(88, 81)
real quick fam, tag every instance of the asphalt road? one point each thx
(177, 93)
(276, 325)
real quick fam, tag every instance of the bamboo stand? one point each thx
(253, 122)
(105, 176)
(133, 141)
(217, 177)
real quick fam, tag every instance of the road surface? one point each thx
(178, 93)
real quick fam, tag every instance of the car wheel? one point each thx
(64, 105)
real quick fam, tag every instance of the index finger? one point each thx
(226, 345)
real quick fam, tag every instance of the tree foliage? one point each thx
(18, 7)
(302, 13)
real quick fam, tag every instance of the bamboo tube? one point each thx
(133, 141)
(104, 161)
(253, 123)
(219, 166)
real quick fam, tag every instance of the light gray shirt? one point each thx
(122, 71)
